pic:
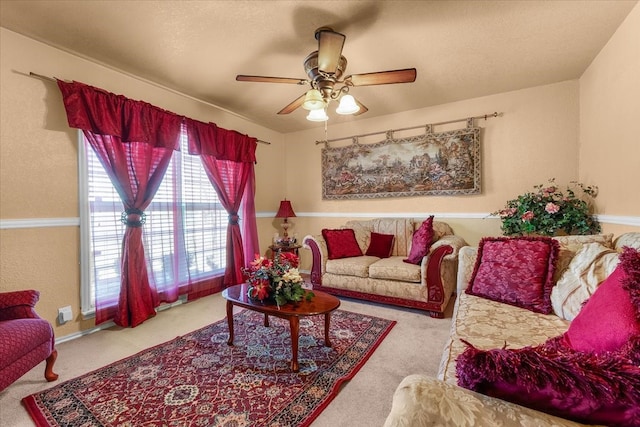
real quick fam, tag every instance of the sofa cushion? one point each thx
(394, 268)
(590, 266)
(341, 243)
(380, 245)
(421, 242)
(505, 324)
(516, 271)
(611, 317)
(351, 266)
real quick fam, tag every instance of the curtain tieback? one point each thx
(234, 218)
(133, 217)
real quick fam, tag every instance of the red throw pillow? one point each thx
(421, 242)
(341, 243)
(516, 271)
(381, 245)
(609, 318)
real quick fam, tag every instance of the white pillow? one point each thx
(590, 266)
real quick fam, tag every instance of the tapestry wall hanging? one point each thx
(435, 163)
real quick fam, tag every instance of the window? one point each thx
(184, 235)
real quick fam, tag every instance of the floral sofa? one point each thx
(426, 283)
(483, 328)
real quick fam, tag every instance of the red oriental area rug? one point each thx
(198, 380)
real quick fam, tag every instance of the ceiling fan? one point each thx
(325, 68)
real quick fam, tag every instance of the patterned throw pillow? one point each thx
(380, 245)
(516, 271)
(341, 243)
(421, 242)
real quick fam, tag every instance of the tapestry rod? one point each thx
(486, 116)
(51, 79)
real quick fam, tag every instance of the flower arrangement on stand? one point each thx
(549, 211)
(276, 280)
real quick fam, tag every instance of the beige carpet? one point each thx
(414, 345)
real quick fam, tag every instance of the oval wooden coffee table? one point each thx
(322, 303)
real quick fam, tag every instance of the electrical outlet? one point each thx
(65, 314)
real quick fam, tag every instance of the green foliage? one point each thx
(549, 211)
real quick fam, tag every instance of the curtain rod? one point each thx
(486, 116)
(52, 79)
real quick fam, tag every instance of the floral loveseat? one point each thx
(583, 263)
(360, 272)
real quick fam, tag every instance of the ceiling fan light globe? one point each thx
(317, 116)
(347, 105)
(313, 100)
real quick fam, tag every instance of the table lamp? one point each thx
(285, 211)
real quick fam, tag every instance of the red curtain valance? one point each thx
(104, 113)
(210, 140)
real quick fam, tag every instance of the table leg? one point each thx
(294, 323)
(230, 321)
(327, 322)
(266, 320)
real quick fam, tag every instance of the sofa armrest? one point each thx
(466, 264)
(456, 243)
(439, 268)
(319, 254)
(421, 401)
(18, 305)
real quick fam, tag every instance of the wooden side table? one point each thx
(284, 248)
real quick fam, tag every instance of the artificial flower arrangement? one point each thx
(276, 280)
(548, 211)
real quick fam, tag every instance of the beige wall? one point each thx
(534, 140)
(38, 167)
(574, 129)
(609, 114)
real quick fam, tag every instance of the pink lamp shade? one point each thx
(285, 210)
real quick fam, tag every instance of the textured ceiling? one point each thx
(461, 49)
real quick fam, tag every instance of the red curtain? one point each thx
(134, 141)
(228, 159)
(250, 227)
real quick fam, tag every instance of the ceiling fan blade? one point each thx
(406, 75)
(362, 109)
(330, 46)
(294, 105)
(263, 79)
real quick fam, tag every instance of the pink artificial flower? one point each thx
(550, 190)
(507, 212)
(551, 208)
(527, 216)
